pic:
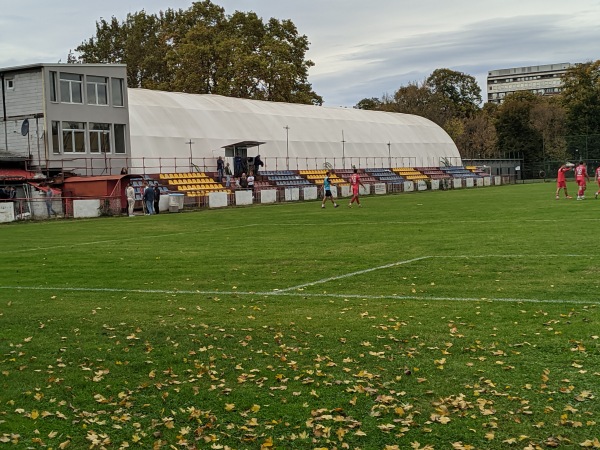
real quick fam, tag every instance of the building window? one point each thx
(73, 134)
(53, 87)
(71, 88)
(99, 137)
(120, 146)
(97, 90)
(10, 84)
(116, 85)
(55, 137)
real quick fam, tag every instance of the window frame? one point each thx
(69, 86)
(95, 83)
(99, 135)
(75, 135)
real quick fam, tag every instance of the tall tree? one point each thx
(478, 138)
(372, 104)
(581, 97)
(548, 118)
(516, 135)
(202, 50)
(460, 91)
(419, 100)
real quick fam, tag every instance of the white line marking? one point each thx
(301, 294)
(346, 275)
(136, 238)
(399, 263)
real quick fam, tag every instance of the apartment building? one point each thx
(541, 80)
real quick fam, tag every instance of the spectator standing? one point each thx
(250, 181)
(237, 165)
(49, 198)
(156, 198)
(228, 175)
(220, 169)
(130, 194)
(257, 165)
(149, 199)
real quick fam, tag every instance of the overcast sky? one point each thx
(360, 48)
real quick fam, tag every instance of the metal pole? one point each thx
(287, 147)
(389, 144)
(191, 155)
(343, 151)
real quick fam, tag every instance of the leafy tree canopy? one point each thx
(461, 91)
(581, 98)
(202, 50)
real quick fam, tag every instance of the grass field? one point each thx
(465, 319)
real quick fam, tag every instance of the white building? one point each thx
(541, 80)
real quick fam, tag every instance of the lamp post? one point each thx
(287, 147)
(343, 151)
(191, 156)
(389, 144)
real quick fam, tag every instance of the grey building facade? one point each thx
(65, 117)
(541, 80)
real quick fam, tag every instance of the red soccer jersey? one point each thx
(354, 179)
(598, 173)
(561, 173)
(580, 172)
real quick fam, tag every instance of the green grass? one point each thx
(461, 319)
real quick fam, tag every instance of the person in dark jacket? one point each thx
(257, 165)
(149, 199)
(156, 198)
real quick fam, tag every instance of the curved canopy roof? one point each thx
(163, 123)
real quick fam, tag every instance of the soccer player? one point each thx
(561, 183)
(355, 182)
(327, 192)
(597, 181)
(581, 176)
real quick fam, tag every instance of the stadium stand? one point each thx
(192, 184)
(459, 172)
(385, 176)
(410, 173)
(284, 178)
(433, 173)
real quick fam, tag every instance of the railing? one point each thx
(90, 166)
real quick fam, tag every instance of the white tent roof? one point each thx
(162, 124)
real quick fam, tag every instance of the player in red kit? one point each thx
(561, 182)
(597, 181)
(581, 177)
(355, 182)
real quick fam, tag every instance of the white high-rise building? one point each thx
(541, 80)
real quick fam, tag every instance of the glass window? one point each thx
(73, 137)
(119, 138)
(53, 87)
(10, 83)
(55, 137)
(116, 85)
(71, 88)
(97, 90)
(99, 137)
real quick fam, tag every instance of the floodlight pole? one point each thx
(343, 151)
(389, 144)
(287, 147)
(191, 155)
